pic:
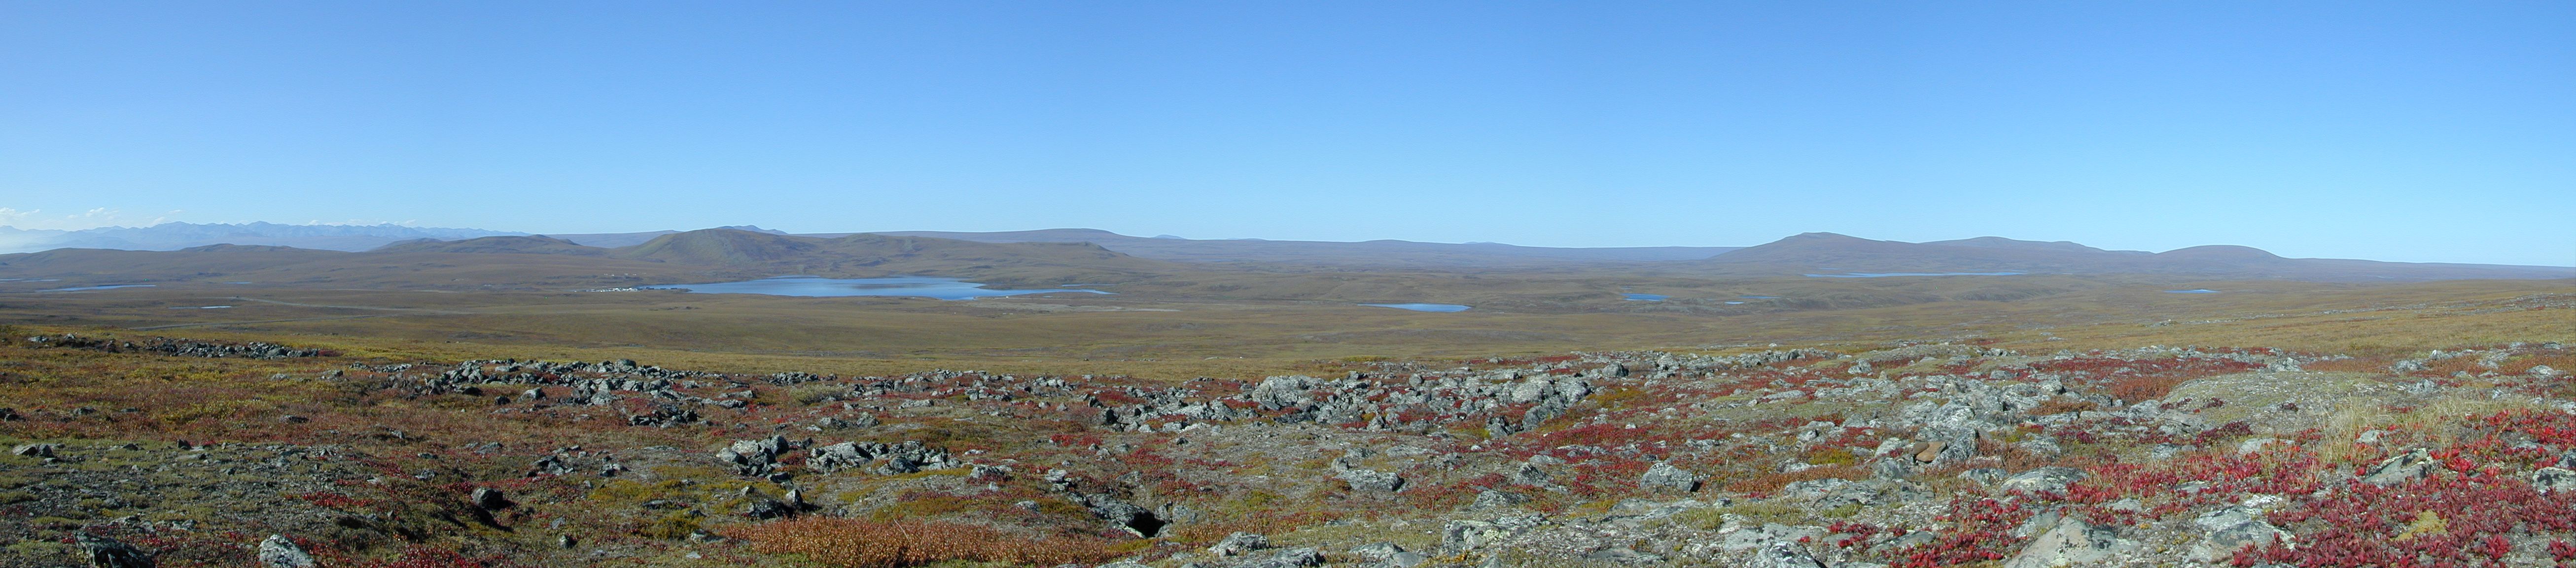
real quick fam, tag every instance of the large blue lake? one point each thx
(941, 288)
(1423, 307)
(1888, 274)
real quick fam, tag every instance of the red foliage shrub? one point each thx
(1980, 531)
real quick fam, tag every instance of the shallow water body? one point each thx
(1423, 307)
(1645, 297)
(100, 287)
(811, 286)
(1888, 274)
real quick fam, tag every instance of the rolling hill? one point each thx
(534, 262)
(175, 236)
(1384, 253)
(1835, 254)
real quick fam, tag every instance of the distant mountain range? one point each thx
(175, 236)
(523, 262)
(1829, 254)
(1378, 253)
(751, 249)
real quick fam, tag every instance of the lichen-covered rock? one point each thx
(2553, 479)
(1238, 544)
(2050, 478)
(280, 552)
(1371, 480)
(2073, 543)
(1665, 477)
(1783, 554)
(2399, 469)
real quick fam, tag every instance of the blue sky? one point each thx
(2395, 131)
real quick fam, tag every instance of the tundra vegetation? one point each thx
(195, 450)
(1979, 421)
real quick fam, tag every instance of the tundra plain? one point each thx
(516, 401)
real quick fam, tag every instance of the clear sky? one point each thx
(2413, 131)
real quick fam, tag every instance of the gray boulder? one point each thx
(753, 453)
(1531, 390)
(2073, 543)
(836, 457)
(1387, 555)
(279, 552)
(1283, 392)
(1665, 477)
(2050, 478)
(1238, 544)
(1783, 554)
(1463, 535)
(1371, 480)
(1765, 536)
(489, 499)
(1491, 499)
(2400, 469)
(2549, 479)
(1292, 558)
(34, 450)
(2220, 544)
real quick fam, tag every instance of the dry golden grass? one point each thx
(852, 543)
(854, 336)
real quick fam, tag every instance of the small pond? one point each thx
(812, 286)
(1888, 274)
(102, 287)
(2192, 291)
(1423, 307)
(1645, 297)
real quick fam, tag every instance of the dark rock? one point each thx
(104, 552)
(490, 499)
(1123, 515)
(766, 508)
